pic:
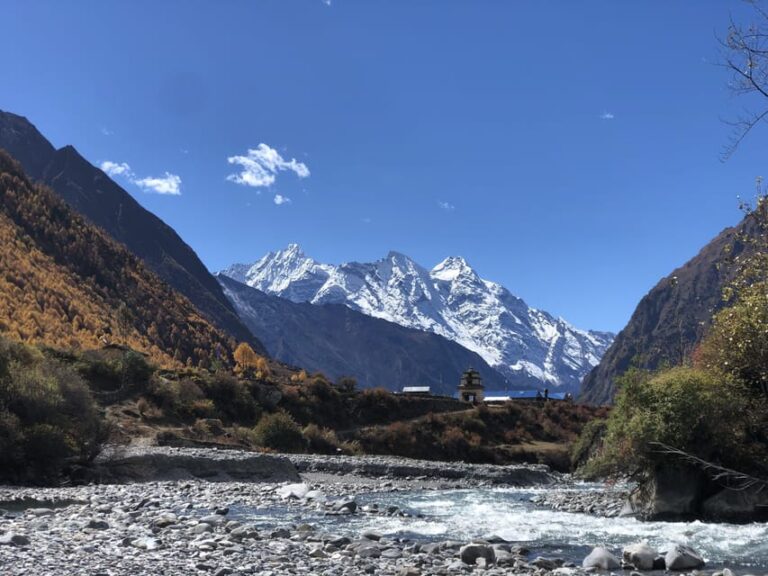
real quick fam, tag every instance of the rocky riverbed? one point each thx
(608, 501)
(323, 523)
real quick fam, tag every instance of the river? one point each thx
(464, 515)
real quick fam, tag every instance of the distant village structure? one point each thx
(417, 391)
(472, 391)
(471, 388)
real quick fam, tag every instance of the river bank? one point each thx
(417, 519)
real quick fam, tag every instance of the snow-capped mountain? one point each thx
(529, 347)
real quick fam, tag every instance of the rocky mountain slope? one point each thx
(672, 318)
(529, 347)
(339, 341)
(93, 194)
(63, 281)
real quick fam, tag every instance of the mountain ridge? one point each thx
(671, 319)
(529, 347)
(63, 282)
(93, 194)
(338, 341)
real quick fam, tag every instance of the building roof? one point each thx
(417, 389)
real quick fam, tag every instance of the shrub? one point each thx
(142, 405)
(320, 389)
(233, 398)
(685, 408)
(47, 415)
(347, 384)
(279, 431)
(375, 405)
(587, 444)
(321, 440)
(135, 368)
(737, 341)
(11, 448)
(45, 449)
(300, 376)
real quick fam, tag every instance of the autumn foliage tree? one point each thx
(248, 363)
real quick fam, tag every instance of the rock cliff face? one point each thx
(94, 195)
(528, 347)
(684, 493)
(672, 318)
(339, 341)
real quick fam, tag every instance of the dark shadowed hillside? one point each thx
(92, 193)
(339, 341)
(66, 283)
(672, 318)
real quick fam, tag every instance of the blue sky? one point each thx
(569, 150)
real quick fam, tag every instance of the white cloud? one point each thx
(607, 116)
(261, 165)
(280, 199)
(327, 2)
(366, 220)
(447, 206)
(169, 184)
(106, 131)
(117, 168)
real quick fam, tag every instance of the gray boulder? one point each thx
(347, 505)
(641, 555)
(293, 491)
(601, 558)
(471, 552)
(95, 524)
(545, 564)
(213, 519)
(671, 493)
(146, 543)
(748, 505)
(681, 557)
(165, 519)
(12, 539)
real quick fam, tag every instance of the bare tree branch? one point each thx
(733, 479)
(744, 53)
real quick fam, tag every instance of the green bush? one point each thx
(587, 444)
(737, 341)
(375, 405)
(45, 450)
(233, 398)
(688, 409)
(320, 389)
(321, 440)
(278, 431)
(135, 368)
(11, 448)
(47, 415)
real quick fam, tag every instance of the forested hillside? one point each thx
(65, 283)
(103, 202)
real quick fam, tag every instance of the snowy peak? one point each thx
(288, 273)
(530, 347)
(452, 268)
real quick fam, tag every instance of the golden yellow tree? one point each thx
(245, 358)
